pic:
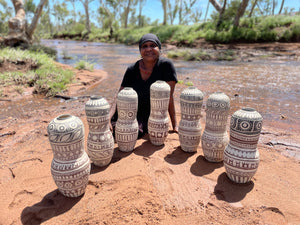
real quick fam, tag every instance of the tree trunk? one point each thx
(240, 12)
(35, 19)
(206, 11)
(216, 4)
(273, 8)
(87, 15)
(221, 14)
(140, 18)
(281, 7)
(19, 33)
(164, 5)
(17, 26)
(252, 8)
(127, 13)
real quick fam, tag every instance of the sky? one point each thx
(153, 8)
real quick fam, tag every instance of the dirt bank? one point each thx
(151, 185)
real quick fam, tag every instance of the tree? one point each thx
(173, 9)
(252, 8)
(240, 12)
(220, 10)
(221, 13)
(126, 13)
(186, 11)
(140, 17)
(60, 13)
(87, 15)
(207, 7)
(74, 9)
(281, 7)
(216, 4)
(19, 33)
(164, 6)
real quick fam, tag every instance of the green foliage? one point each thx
(84, 64)
(295, 30)
(47, 78)
(78, 28)
(165, 32)
(189, 83)
(189, 55)
(43, 49)
(263, 29)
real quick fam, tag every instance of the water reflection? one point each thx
(272, 87)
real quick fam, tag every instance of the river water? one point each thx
(271, 86)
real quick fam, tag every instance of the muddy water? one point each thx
(270, 86)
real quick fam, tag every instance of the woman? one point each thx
(140, 75)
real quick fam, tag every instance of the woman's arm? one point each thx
(171, 109)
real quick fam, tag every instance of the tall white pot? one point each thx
(70, 167)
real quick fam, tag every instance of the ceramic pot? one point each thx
(158, 123)
(215, 138)
(100, 141)
(126, 131)
(70, 167)
(241, 156)
(189, 129)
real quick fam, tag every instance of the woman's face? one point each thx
(150, 51)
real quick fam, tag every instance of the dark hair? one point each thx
(150, 37)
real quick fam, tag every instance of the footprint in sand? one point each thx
(162, 181)
(19, 197)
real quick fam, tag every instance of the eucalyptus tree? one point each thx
(60, 11)
(19, 32)
(206, 12)
(164, 7)
(187, 11)
(45, 26)
(107, 15)
(173, 10)
(140, 17)
(253, 2)
(281, 7)
(74, 9)
(126, 12)
(240, 12)
(86, 4)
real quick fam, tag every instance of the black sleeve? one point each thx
(129, 76)
(169, 72)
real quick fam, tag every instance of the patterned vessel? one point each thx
(215, 138)
(126, 131)
(189, 129)
(100, 142)
(158, 123)
(70, 166)
(241, 157)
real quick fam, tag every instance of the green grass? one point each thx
(46, 78)
(84, 64)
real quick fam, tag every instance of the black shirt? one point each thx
(163, 70)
